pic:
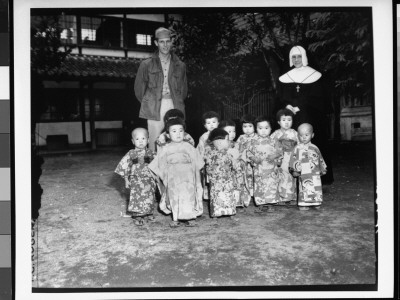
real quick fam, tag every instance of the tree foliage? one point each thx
(47, 50)
(210, 46)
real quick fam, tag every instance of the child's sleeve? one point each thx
(123, 165)
(155, 165)
(322, 165)
(294, 164)
(188, 138)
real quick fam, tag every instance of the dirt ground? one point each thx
(84, 243)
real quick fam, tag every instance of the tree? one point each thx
(210, 43)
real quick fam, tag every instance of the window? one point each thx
(139, 33)
(68, 29)
(108, 32)
(101, 31)
(143, 39)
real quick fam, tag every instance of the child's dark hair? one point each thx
(209, 115)
(247, 119)
(217, 134)
(174, 121)
(225, 123)
(263, 118)
(173, 113)
(284, 112)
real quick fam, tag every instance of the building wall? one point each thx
(72, 129)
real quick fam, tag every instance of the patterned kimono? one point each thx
(220, 171)
(134, 167)
(234, 155)
(245, 184)
(307, 160)
(178, 166)
(202, 146)
(162, 139)
(286, 140)
(264, 154)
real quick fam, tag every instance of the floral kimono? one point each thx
(202, 146)
(263, 154)
(306, 159)
(220, 171)
(134, 167)
(178, 166)
(245, 184)
(286, 140)
(234, 154)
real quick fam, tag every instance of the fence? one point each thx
(260, 104)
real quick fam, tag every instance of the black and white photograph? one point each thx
(237, 149)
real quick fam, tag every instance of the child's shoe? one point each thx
(138, 221)
(174, 224)
(150, 219)
(304, 208)
(269, 208)
(191, 223)
(259, 210)
(233, 218)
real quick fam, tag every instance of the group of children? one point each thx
(270, 168)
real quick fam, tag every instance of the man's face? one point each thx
(164, 45)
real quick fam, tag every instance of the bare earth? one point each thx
(84, 243)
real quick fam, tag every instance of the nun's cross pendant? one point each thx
(298, 88)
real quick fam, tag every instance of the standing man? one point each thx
(160, 85)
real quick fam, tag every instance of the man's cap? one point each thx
(162, 33)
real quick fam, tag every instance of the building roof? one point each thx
(85, 66)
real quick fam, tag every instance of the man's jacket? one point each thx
(149, 84)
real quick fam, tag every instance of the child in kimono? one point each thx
(230, 127)
(245, 185)
(210, 121)
(133, 167)
(286, 138)
(220, 171)
(264, 157)
(178, 165)
(163, 138)
(306, 162)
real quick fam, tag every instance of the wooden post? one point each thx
(92, 116)
(82, 110)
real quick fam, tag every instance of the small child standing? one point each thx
(306, 162)
(133, 167)
(264, 156)
(233, 151)
(163, 138)
(245, 184)
(210, 121)
(220, 171)
(286, 138)
(178, 165)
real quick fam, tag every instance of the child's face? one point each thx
(263, 129)
(140, 140)
(305, 135)
(176, 133)
(286, 122)
(231, 130)
(211, 124)
(221, 144)
(248, 128)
